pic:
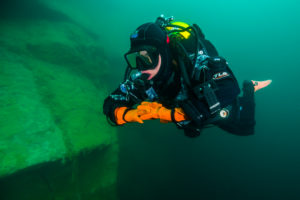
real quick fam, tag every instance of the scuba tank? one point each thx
(192, 59)
(196, 57)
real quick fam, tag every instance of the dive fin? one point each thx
(260, 84)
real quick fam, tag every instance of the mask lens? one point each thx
(142, 60)
(131, 59)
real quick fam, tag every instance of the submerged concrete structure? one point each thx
(55, 142)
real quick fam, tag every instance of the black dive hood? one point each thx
(152, 34)
(148, 34)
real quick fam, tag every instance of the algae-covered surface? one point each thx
(51, 95)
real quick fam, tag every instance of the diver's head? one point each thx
(149, 52)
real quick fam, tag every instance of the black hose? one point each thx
(197, 29)
(127, 73)
(183, 69)
(197, 46)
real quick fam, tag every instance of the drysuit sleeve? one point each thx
(126, 95)
(114, 100)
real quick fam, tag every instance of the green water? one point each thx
(260, 40)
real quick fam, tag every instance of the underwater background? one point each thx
(260, 40)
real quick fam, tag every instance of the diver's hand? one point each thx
(154, 110)
(124, 115)
(150, 109)
(134, 115)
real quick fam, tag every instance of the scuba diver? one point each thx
(176, 75)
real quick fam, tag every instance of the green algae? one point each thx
(51, 95)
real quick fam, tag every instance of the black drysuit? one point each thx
(175, 93)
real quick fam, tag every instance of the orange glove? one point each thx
(154, 110)
(151, 109)
(132, 115)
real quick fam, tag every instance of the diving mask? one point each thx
(143, 58)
